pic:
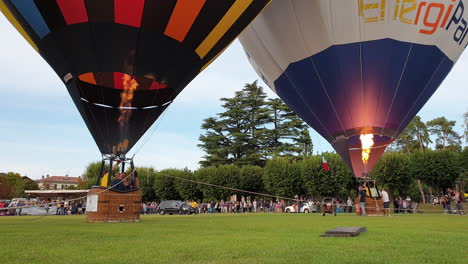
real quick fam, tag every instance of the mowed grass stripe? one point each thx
(242, 238)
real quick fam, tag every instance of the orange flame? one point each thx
(129, 85)
(367, 141)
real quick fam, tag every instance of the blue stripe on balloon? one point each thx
(334, 74)
(30, 12)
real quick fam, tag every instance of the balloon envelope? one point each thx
(357, 68)
(124, 61)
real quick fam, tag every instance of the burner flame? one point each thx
(367, 141)
(129, 85)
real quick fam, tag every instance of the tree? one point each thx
(81, 183)
(438, 169)
(16, 184)
(443, 129)
(236, 136)
(72, 187)
(394, 172)
(30, 184)
(251, 179)
(5, 188)
(251, 130)
(289, 135)
(282, 177)
(334, 183)
(465, 124)
(415, 136)
(187, 190)
(164, 187)
(91, 173)
(146, 177)
(463, 164)
(225, 175)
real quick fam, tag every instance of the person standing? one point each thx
(362, 200)
(459, 200)
(386, 202)
(448, 200)
(349, 203)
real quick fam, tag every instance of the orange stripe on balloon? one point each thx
(182, 18)
(88, 77)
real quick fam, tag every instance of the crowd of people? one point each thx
(403, 206)
(452, 203)
(8, 207)
(452, 197)
(56, 207)
(247, 206)
(244, 206)
(70, 208)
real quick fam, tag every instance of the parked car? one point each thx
(308, 207)
(170, 207)
(187, 209)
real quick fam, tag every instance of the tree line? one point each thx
(398, 172)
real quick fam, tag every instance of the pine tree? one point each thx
(236, 136)
(288, 134)
(446, 136)
(415, 136)
(252, 130)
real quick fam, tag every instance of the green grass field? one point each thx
(243, 238)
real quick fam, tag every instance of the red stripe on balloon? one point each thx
(118, 80)
(129, 12)
(156, 86)
(74, 11)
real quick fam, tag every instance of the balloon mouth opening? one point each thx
(367, 142)
(362, 151)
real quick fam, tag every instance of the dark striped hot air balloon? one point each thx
(124, 61)
(357, 71)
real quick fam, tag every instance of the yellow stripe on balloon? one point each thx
(236, 10)
(4, 9)
(217, 55)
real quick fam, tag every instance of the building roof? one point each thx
(59, 179)
(26, 178)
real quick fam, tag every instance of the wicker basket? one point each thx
(373, 206)
(113, 206)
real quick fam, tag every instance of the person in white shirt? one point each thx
(349, 203)
(386, 202)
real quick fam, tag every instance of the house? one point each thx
(57, 182)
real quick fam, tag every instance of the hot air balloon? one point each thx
(125, 61)
(357, 71)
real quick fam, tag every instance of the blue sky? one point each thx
(41, 132)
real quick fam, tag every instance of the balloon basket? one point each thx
(374, 207)
(112, 206)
